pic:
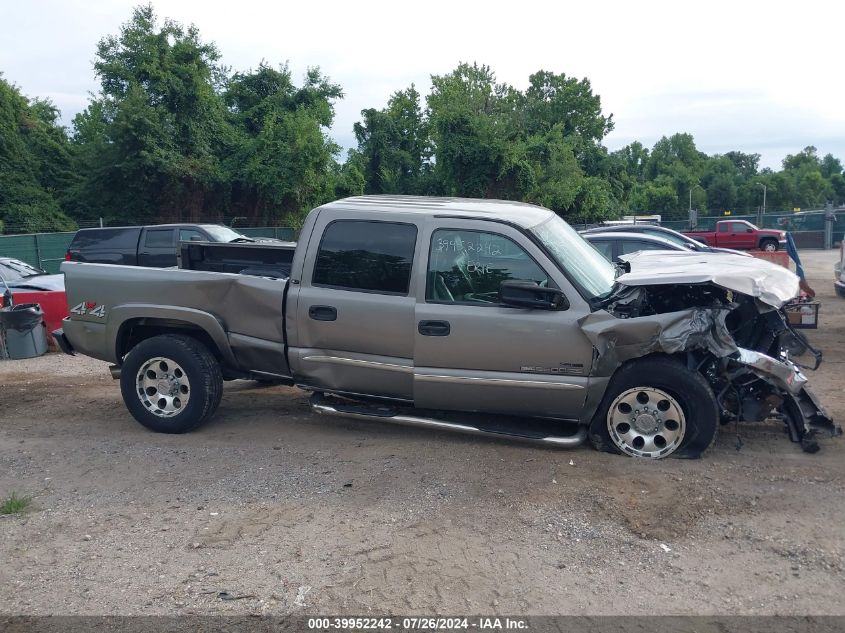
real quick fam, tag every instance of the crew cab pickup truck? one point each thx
(153, 246)
(479, 316)
(740, 235)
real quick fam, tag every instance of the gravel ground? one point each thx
(270, 509)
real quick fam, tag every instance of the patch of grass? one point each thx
(13, 504)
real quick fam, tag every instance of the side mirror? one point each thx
(749, 230)
(527, 294)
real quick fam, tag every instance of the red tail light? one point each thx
(67, 256)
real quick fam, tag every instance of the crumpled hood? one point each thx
(772, 284)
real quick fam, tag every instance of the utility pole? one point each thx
(763, 210)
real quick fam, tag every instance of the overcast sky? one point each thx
(764, 77)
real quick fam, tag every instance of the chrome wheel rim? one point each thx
(646, 422)
(769, 247)
(163, 387)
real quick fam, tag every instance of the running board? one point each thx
(534, 432)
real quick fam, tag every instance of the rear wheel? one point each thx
(171, 383)
(656, 407)
(769, 245)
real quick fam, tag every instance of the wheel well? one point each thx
(134, 331)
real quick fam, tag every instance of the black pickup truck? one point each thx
(151, 246)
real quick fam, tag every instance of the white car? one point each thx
(839, 270)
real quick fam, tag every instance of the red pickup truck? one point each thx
(741, 235)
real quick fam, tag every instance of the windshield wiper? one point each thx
(241, 239)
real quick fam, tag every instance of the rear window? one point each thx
(14, 269)
(117, 238)
(367, 256)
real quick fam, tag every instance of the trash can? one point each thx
(22, 329)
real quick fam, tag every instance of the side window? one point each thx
(364, 255)
(725, 227)
(632, 246)
(159, 238)
(605, 247)
(186, 235)
(469, 266)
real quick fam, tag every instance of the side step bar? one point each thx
(540, 432)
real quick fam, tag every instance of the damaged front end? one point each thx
(726, 324)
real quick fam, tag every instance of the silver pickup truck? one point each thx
(481, 316)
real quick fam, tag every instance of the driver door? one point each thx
(472, 353)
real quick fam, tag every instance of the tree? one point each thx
(36, 165)
(394, 145)
(830, 166)
(158, 122)
(281, 161)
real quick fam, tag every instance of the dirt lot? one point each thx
(270, 509)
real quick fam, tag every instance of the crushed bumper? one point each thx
(803, 413)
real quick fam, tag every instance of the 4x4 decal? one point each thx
(89, 307)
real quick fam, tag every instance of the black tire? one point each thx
(840, 290)
(769, 245)
(203, 388)
(689, 389)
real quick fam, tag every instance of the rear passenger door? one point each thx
(355, 308)
(157, 248)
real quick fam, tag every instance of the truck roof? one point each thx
(520, 213)
(149, 226)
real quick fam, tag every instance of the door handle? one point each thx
(434, 328)
(323, 313)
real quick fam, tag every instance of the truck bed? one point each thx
(242, 314)
(271, 259)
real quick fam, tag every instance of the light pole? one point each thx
(693, 218)
(763, 210)
(690, 194)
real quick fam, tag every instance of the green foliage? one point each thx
(173, 135)
(394, 147)
(281, 163)
(13, 504)
(36, 164)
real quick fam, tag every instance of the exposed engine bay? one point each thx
(743, 345)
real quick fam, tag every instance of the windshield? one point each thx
(585, 266)
(14, 269)
(223, 233)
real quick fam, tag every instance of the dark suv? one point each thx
(152, 246)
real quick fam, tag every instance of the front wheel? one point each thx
(171, 383)
(656, 407)
(770, 246)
